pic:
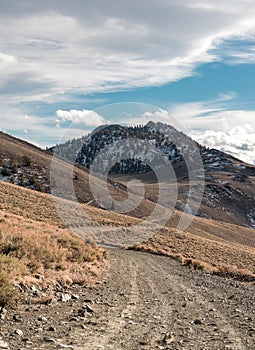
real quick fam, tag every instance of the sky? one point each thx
(190, 61)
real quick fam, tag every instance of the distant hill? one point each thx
(229, 192)
(229, 188)
(26, 165)
(153, 140)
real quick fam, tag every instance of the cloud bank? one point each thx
(238, 141)
(51, 50)
(215, 125)
(56, 47)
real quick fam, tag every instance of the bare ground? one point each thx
(147, 302)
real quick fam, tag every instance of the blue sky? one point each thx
(193, 60)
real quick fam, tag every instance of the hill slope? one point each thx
(211, 241)
(220, 245)
(26, 165)
(134, 152)
(229, 183)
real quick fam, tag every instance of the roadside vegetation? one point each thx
(211, 255)
(38, 253)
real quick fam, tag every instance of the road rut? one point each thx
(151, 302)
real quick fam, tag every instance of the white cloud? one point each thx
(51, 49)
(86, 117)
(238, 141)
(8, 67)
(213, 124)
(210, 124)
(95, 47)
(40, 131)
(204, 115)
(6, 60)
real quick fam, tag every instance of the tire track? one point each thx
(226, 328)
(118, 319)
(160, 305)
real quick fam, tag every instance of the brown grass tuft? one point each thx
(202, 254)
(8, 293)
(29, 249)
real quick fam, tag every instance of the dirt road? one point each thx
(149, 302)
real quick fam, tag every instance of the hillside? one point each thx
(33, 252)
(30, 167)
(221, 246)
(23, 164)
(217, 243)
(228, 193)
(129, 153)
(229, 189)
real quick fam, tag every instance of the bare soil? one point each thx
(146, 302)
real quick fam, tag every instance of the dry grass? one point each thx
(201, 253)
(64, 173)
(217, 231)
(8, 293)
(219, 246)
(40, 207)
(33, 252)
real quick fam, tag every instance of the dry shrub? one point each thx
(202, 254)
(29, 248)
(8, 293)
(199, 265)
(235, 271)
